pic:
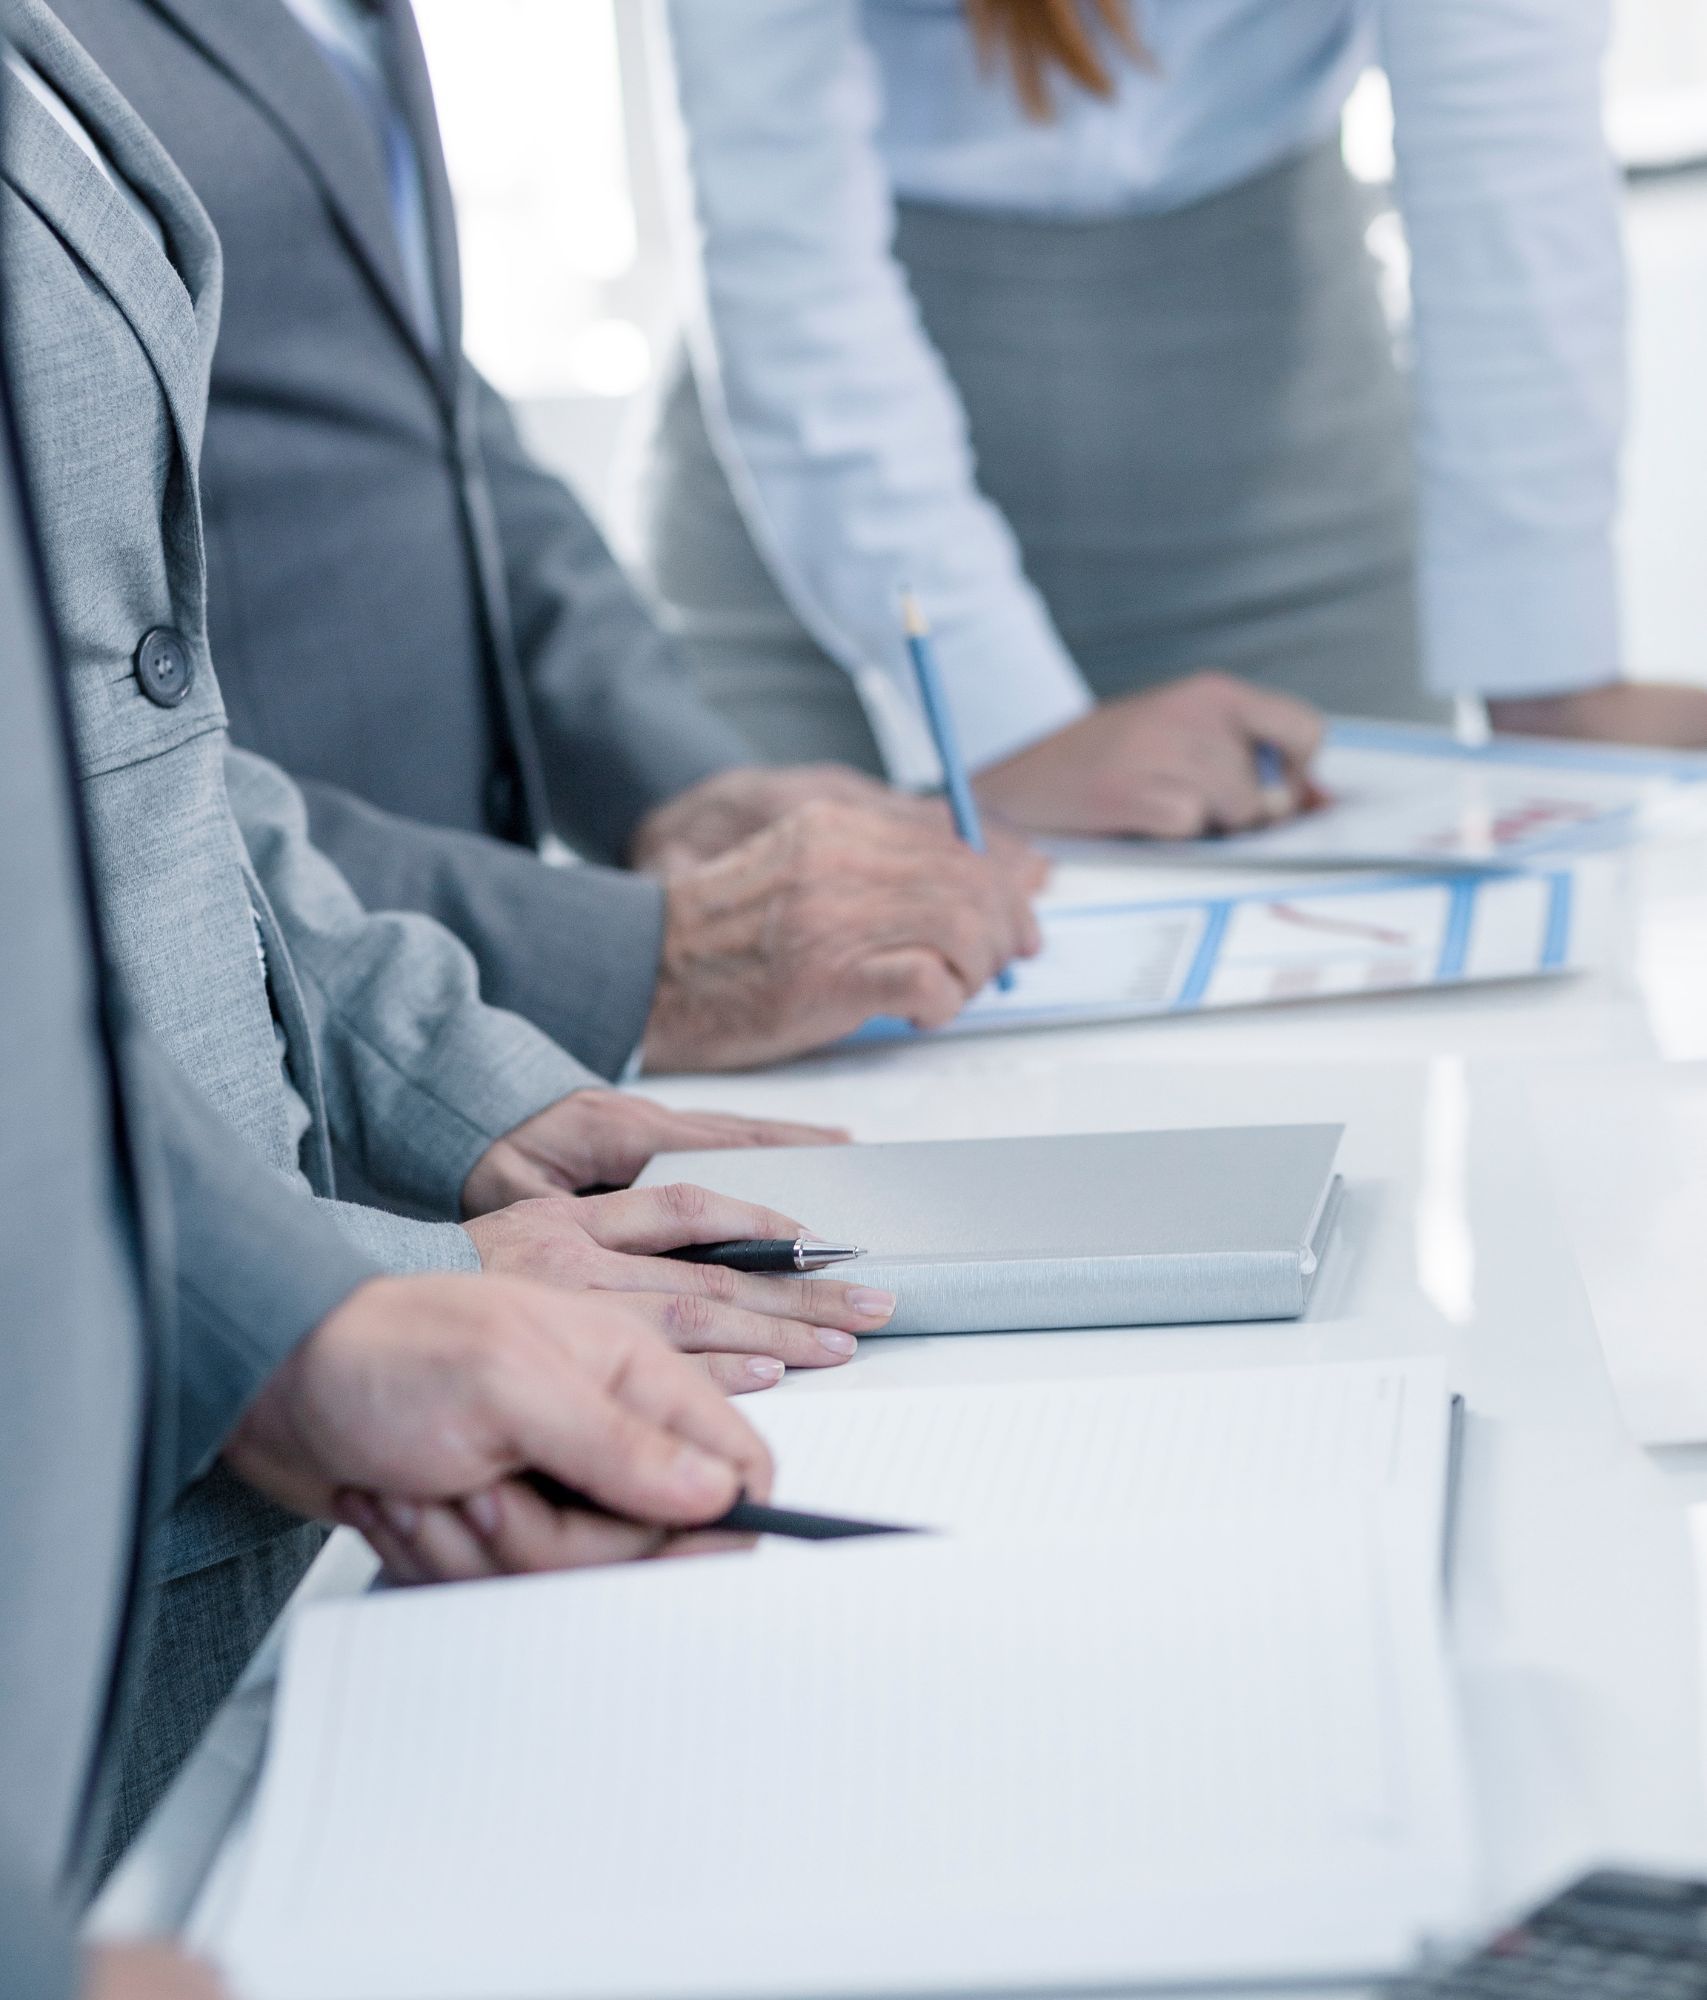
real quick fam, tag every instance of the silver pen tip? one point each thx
(816, 1256)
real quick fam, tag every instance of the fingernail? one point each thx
(698, 1475)
(482, 1510)
(834, 1341)
(402, 1517)
(871, 1305)
(763, 1371)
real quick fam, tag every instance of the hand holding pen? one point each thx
(747, 1325)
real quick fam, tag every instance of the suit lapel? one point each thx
(171, 304)
(260, 45)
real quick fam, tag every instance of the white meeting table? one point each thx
(1575, 1621)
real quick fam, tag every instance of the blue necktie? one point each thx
(403, 185)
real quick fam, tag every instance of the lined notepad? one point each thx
(1219, 1745)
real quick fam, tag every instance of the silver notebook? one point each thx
(1092, 1229)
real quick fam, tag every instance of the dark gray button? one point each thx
(164, 666)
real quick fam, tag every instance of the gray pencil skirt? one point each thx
(1194, 423)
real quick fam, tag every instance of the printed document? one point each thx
(1411, 797)
(1221, 1746)
(1322, 939)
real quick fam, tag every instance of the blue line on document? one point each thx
(1556, 945)
(1203, 964)
(1455, 946)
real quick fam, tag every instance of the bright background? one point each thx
(570, 301)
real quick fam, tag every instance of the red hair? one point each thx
(1040, 39)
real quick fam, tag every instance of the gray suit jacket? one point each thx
(368, 1031)
(407, 611)
(118, 1190)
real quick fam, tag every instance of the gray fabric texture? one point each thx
(109, 344)
(406, 609)
(73, 1371)
(1194, 423)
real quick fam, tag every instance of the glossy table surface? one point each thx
(1491, 1132)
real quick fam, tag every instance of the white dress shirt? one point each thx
(803, 121)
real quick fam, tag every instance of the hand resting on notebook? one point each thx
(409, 1412)
(746, 1329)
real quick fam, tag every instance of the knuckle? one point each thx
(689, 1315)
(720, 1286)
(682, 1201)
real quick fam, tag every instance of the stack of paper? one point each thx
(1177, 1709)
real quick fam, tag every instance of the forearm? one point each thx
(842, 433)
(1510, 206)
(420, 1074)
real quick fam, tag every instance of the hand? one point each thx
(747, 1329)
(602, 1138)
(720, 813)
(1171, 764)
(409, 1411)
(1658, 712)
(830, 916)
(148, 1972)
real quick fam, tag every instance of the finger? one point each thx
(1226, 775)
(1293, 727)
(726, 1128)
(742, 1374)
(361, 1512)
(440, 1539)
(914, 983)
(634, 1425)
(693, 1324)
(704, 1542)
(669, 1217)
(823, 1302)
(527, 1535)
(1167, 809)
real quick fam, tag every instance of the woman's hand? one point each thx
(1171, 764)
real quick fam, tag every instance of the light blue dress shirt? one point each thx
(803, 120)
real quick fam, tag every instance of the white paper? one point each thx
(1414, 797)
(1203, 1731)
(904, 1766)
(1091, 1461)
(1278, 944)
(1625, 1152)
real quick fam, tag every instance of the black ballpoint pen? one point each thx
(767, 1254)
(748, 1517)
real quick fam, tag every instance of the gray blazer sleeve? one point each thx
(258, 1265)
(620, 726)
(420, 1074)
(573, 950)
(38, 1943)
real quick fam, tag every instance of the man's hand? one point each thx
(1171, 764)
(828, 917)
(410, 1411)
(1662, 713)
(721, 812)
(747, 1329)
(148, 1972)
(602, 1138)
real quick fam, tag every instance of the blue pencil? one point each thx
(932, 694)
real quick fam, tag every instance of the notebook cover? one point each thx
(1092, 1229)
